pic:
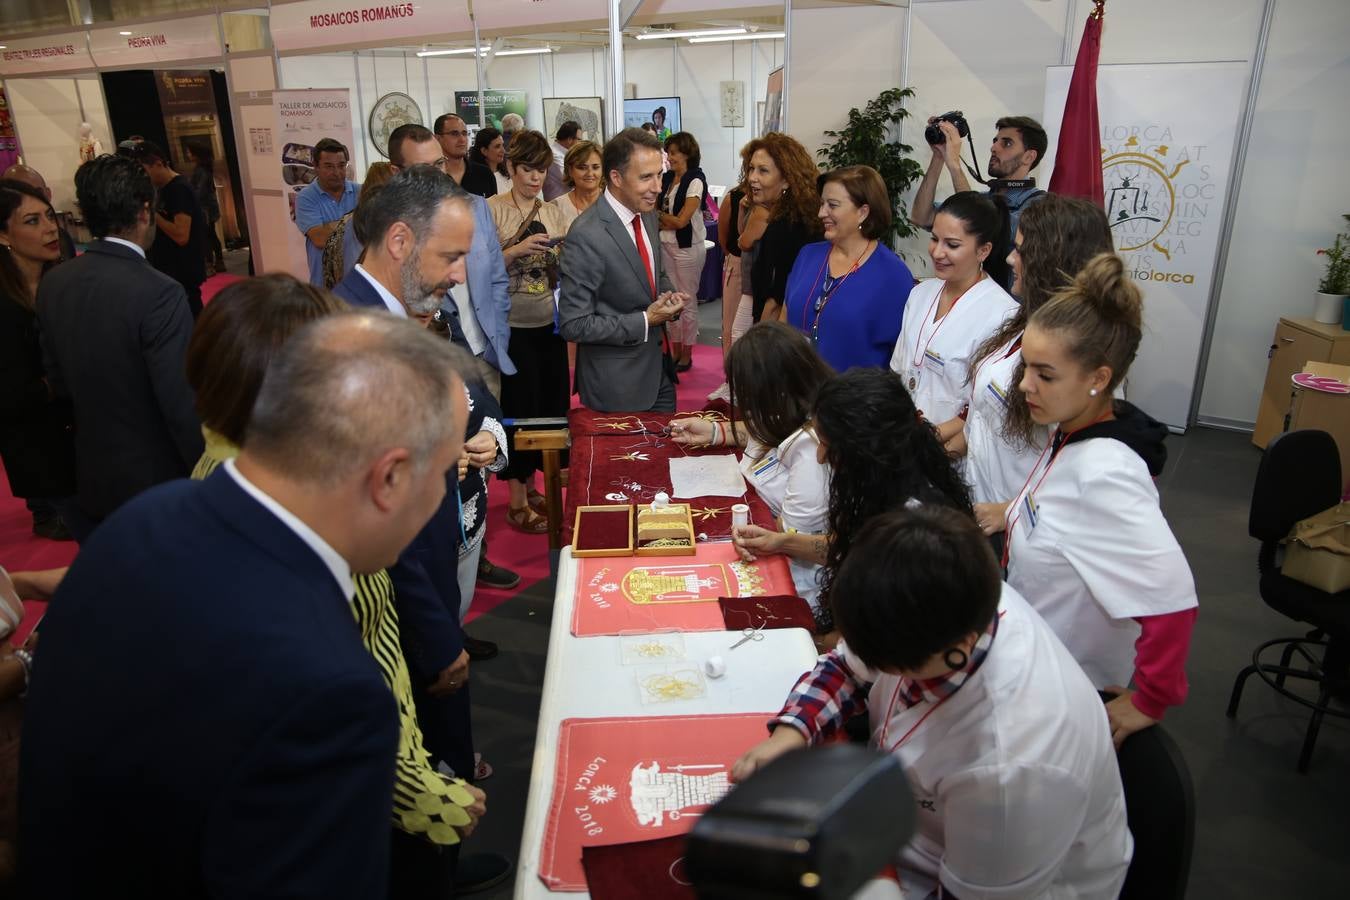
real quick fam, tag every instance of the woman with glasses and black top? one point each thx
(847, 293)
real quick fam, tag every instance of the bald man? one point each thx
(33, 178)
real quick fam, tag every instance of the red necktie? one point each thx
(642, 252)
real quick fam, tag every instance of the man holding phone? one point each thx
(615, 297)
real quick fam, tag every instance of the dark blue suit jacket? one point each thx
(204, 720)
(359, 292)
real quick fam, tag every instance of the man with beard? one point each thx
(417, 230)
(1018, 147)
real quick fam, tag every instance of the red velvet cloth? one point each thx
(652, 870)
(1078, 157)
(624, 458)
(777, 611)
(605, 529)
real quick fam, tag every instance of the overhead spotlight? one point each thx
(706, 32)
(125, 33)
(759, 36)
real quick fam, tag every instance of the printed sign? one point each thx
(327, 23)
(622, 780)
(1167, 148)
(196, 37)
(50, 53)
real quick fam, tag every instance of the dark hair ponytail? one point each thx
(985, 217)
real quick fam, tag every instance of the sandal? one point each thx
(481, 769)
(537, 501)
(526, 520)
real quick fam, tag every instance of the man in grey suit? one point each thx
(610, 304)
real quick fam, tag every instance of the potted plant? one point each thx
(1335, 283)
(866, 141)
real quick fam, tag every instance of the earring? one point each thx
(1092, 392)
(955, 658)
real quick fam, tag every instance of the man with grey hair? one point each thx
(259, 755)
(616, 299)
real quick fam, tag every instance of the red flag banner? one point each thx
(1078, 157)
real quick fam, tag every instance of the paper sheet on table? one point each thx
(706, 476)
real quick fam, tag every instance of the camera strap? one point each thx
(975, 172)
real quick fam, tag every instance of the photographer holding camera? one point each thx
(1018, 147)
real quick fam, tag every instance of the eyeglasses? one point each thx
(454, 133)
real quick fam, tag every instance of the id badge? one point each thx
(765, 465)
(998, 394)
(1030, 510)
(915, 376)
(933, 362)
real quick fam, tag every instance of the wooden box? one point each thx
(603, 530)
(675, 519)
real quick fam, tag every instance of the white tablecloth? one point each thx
(584, 677)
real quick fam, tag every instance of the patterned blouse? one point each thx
(427, 804)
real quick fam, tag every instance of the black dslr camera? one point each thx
(933, 134)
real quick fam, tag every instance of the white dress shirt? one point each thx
(331, 558)
(468, 319)
(394, 305)
(137, 247)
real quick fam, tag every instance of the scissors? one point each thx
(751, 634)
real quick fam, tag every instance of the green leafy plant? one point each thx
(866, 141)
(1336, 279)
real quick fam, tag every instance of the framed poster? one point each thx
(495, 105)
(733, 104)
(389, 112)
(772, 117)
(588, 112)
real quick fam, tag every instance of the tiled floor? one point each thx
(1264, 831)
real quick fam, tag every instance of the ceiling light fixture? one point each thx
(465, 51)
(707, 32)
(125, 33)
(530, 51)
(459, 52)
(761, 36)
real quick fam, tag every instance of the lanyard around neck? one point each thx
(932, 307)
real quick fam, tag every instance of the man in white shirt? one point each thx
(568, 134)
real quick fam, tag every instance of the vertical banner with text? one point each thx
(1167, 134)
(305, 117)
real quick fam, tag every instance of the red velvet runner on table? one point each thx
(624, 458)
(777, 611)
(652, 870)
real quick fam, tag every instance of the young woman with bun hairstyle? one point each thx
(1056, 238)
(947, 317)
(1087, 543)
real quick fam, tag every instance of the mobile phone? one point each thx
(553, 242)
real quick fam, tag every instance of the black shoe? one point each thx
(479, 650)
(481, 871)
(53, 529)
(684, 366)
(496, 576)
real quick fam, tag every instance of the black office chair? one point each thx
(1300, 476)
(1160, 806)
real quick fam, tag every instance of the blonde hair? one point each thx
(578, 154)
(1100, 315)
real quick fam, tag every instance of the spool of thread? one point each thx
(716, 667)
(740, 514)
(660, 501)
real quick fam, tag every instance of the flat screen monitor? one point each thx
(663, 112)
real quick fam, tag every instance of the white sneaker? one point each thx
(722, 393)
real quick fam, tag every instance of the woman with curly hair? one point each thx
(882, 457)
(783, 203)
(1055, 239)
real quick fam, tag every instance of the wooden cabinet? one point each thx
(1297, 342)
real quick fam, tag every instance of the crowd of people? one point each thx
(963, 491)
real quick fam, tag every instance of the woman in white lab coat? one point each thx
(1004, 740)
(1056, 237)
(774, 373)
(1087, 543)
(882, 456)
(947, 317)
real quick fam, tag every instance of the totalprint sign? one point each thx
(1167, 146)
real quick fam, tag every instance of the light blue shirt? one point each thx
(314, 207)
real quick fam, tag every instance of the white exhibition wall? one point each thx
(691, 72)
(47, 115)
(988, 58)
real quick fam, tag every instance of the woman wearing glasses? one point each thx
(847, 293)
